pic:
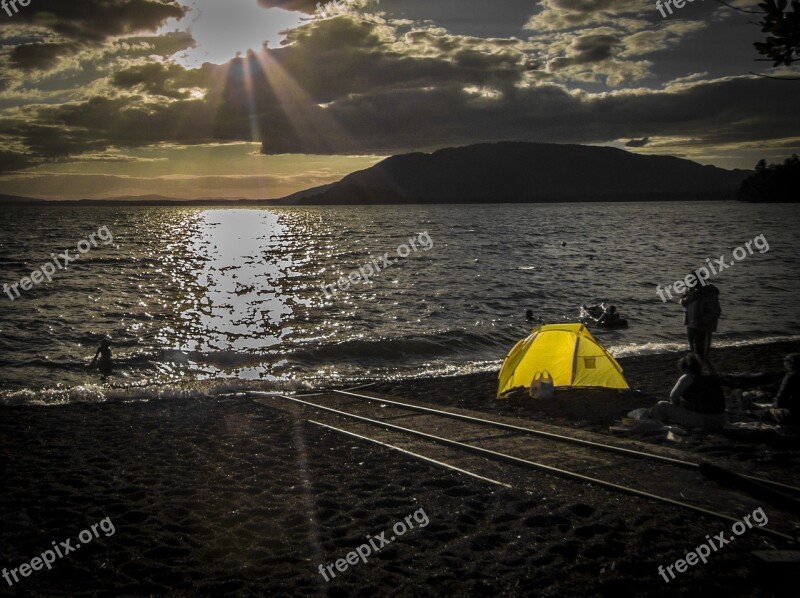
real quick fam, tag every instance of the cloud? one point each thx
(638, 142)
(101, 186)
(41, 56)
(97, 20)
(588, 49)
(157, 79)
(306, 6)
(363, 85)
(47, 31)
(567, 14)
(312, 6)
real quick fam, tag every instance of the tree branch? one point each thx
(731, 6)
(776, 78)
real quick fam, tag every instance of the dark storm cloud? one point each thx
(10, 161)
(65, 28)
(97, 20)
(104, 122)
(638, 142)
(59, 132)
(341, 56)
(351, 85)
(167, 80)
(42, 56)
(729, 111)
(161, 45)
(587, 49)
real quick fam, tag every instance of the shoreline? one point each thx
(229, 497)
(113, 392)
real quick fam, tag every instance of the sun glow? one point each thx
(224, 29)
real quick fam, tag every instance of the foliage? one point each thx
(773, 182)
(782, 45)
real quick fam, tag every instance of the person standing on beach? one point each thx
(702, 312)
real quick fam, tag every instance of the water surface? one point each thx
(195, 297)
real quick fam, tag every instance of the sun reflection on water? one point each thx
(231, 303)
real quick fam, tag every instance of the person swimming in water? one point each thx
(532, 318)
(609, 316)
(104, 365)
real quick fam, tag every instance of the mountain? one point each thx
(17, 199)
(526, 172)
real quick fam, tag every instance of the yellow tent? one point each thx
(569, 352)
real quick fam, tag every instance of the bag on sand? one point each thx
(542, 386)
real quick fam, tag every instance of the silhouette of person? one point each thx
(702, 314)
(609, 316)
(785, 408)
(104, 365)
(696, 401)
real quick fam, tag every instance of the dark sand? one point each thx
(229, 497)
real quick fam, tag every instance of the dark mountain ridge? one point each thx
(527, 172)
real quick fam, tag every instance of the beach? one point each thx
(265, 263)
(232, 496)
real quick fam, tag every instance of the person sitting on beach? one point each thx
(786, 407)
(104, 365)
(697, 401)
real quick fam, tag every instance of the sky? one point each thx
(261, 98)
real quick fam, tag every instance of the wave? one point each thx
(439, 355)
(451, 344)
(95, 393)
(659, 348)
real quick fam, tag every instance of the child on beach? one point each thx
(105, 365)
(697, 401)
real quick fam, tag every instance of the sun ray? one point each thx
(249, 89)
(313, 126)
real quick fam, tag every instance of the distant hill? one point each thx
(526, 172)
(18, 199)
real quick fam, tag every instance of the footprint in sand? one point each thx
(581, 510)
(590, 531)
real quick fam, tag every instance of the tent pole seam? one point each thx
(575, 358)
